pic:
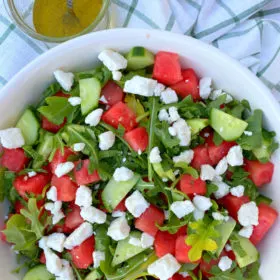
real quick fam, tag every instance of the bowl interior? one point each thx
(81, 54)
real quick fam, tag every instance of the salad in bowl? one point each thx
(137, 169)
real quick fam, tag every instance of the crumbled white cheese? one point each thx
(116, 75)
(172, 131)
(159, 89)
(93, 215)
(228, 248)
(106, 140)
(235, 156)
(222, 166)
(56, 241)
(223, 189)
(65, 79)
(155, 155)
(163, 115)
(183, 132)
(52, 193)
(186, 156)
(237, 191)
(103, 99)
(64, 168)
(173, 114)
(248, 133)
(53, 262)
(198, 214)
(147, 240)
(66, 273)
(218, 216)
(207, 172)
(248, 214)
(94, 117)
(182, 208)
(78, 147)
(32, 174)
(78, 236)
(75, 101)
(55, 209)
(141, 86)
(134, 241)
(205, 87)
(83, 196)
(123, 174)
(119, 229)
(118, 213)
(225, 263)
(184, 274)
(217, 93)
(164, 268)
(11, 138)
(114, 61)
(136, 204)
(202, 203)
(246, 231)
(43, 242)
(98, 256)
(168, 96)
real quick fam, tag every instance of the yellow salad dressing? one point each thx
(48, 16)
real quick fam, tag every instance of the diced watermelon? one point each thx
(188, 86)
(42, 258)
(51, 127)
(82, 175)
(138, 139)
(120, 114)
(191, 186)
(164, 243)
(148, 220)
(121, 206)
(260, 173)
(167, 69)
(60, 157)
(14, 159)
(267, 217)
(182, 249)
(179, 276)
(201, 156)
(112, 93)
(73, 218)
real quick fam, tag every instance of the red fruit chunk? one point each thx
(138, 139)
(82, 175)
(112, 93)
(191, 186)
(164, 243)
(14, 159)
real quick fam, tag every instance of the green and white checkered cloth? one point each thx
(248, 30)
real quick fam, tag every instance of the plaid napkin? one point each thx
(248, 30)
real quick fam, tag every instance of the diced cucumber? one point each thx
(227, 126)
(114, 191)
(197, 125)
(29, 127)
(245, 252)
(139, 58)
(94, 275)
(163, 174)
(39, 272)
(262, 153)
(44, 149)
(225, 230)
(90, 93)
(125, 250)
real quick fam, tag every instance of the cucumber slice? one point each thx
(94, 275)
(262, 153)
(163, 174)
(196, 125)
(44, 149)
(227, 126)
(29, 126)
(139, 58)
(245, 252)
(39, 272)
(90, 93)
(125, 251)
(114, 191)
(225, 231)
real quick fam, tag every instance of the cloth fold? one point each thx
(247, 30)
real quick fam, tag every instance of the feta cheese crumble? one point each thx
(116, 75)
(106, 140)
(237, 191)
(119, 229)
(11, 138)
(98, 256)
(225, 263)
(118, 213)
(55, 209)
(182, 208)
(141, 86)
(83, 196)
(228, 248)
(248, 133)
(205, 87)
(207, 172)
(64, 168)
(78, 236)
(223, 189)
(65, 79)
(202, 203)
(93, 215)
(31, 174)
(168, 96)
(147, 240)
(217, 93)
(52, 193)
(159, 89)
(78, 147)
(94, 117)
(172, 131)
(56, 241)
(235, 156)
(136, 204)
(75, 101)
(114, 61)
(198, 214)
(221, 167)
(123, 174)
(186, 156)
(155, 155)
(218, 216)
(183, 132)
(246, 231)
(173, 114)
(134, 241)
(163, 115)
(53, 262)
(248, 214)
(164, 268)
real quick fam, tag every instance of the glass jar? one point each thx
(21, 11)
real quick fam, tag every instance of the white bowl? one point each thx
(81, 53)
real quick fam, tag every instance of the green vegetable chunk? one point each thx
(197, 125)
(39, 272)
(139, 58)
(227, 126)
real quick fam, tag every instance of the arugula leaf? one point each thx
(134, 104)
(189, 109)
(254, 126)
(187, 169)
(217, 102)
(131, 74)
(6, 186)
(211, 188)
(49, 91)
(174, 224)
(32, 153)
(57, 109)
(201, 238)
